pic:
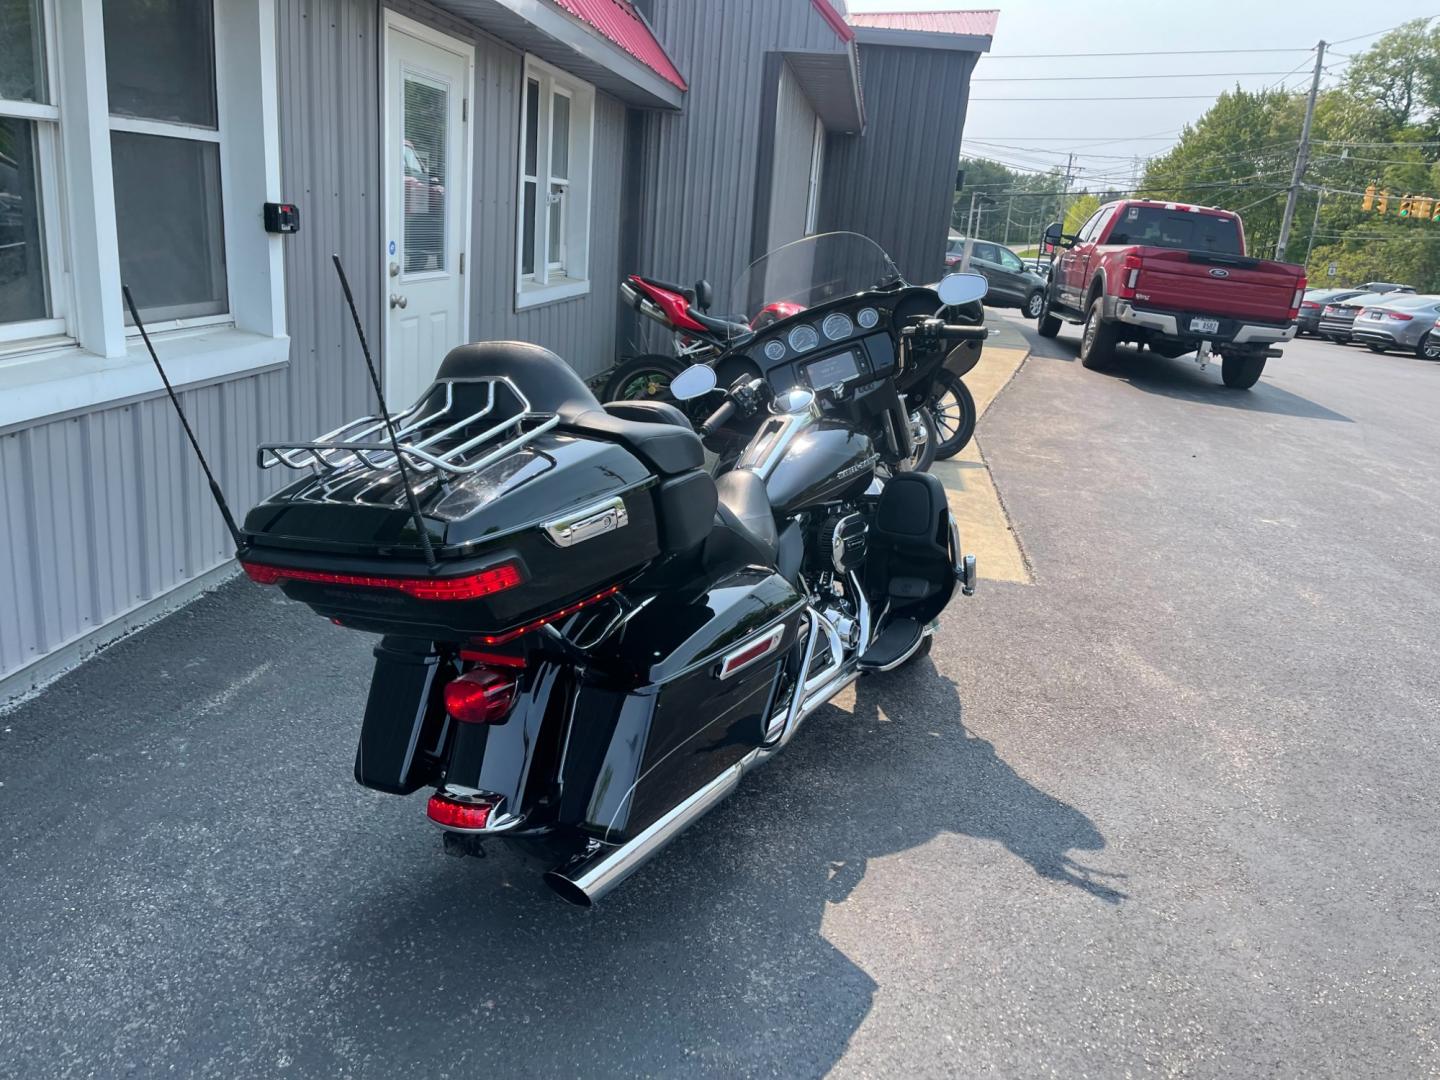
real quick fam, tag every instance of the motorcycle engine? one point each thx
(844, 536)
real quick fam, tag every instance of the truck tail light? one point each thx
(1129, 276)
(1298, 298)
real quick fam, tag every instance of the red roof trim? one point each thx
(619, 23)
(833, 17)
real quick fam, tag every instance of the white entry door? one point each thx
(427, 203)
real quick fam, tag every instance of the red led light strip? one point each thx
(554, 616)
(467, 587)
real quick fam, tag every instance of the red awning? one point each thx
(618, 21)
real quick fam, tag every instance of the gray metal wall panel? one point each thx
(790, 174)
(896, 183)
(104, 511)
(698, 182)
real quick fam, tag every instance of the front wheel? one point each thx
(926, 438)
(1429, 348)
(1241, 372)
(1048, 325)
(643, 378)
(953, 411)
(1035, 304)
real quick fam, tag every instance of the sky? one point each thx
(1107, 135)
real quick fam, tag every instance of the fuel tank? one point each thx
(827, 461)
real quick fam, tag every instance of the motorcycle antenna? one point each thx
(385, 416)
(219, 496)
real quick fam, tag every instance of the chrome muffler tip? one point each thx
(967, 575)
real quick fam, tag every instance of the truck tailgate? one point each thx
(1230, 286)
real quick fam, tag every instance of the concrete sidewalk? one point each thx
(985, 528)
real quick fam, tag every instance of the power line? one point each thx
(1091, 78)
(1377, 33)
(1133, 97)
(1153, 52)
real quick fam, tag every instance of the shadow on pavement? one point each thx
(1182, 379)
(713, 958)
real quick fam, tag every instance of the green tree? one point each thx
(1079, 211)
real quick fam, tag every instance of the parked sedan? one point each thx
(1011, 284)
(1336, 319)
(1406, 321)
(1308, 321)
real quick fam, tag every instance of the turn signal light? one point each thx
(481, 696)
(454, 814)
(466, 587)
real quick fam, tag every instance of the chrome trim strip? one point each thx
(597, 519)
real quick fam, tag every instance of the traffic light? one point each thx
(1424, 207)
(1382, 202)
(1369, 203)
(1405, 204)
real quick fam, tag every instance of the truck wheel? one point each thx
(1241, 372)
(1097, 341)
(1049, 325)
(1035, 304)
(1429, 348)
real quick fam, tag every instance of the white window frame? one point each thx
(52, 217)
(570, 277)
(86, 355)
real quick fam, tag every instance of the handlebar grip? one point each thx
(717, 419)
(954, 330)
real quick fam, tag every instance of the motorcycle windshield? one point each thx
(812, 271)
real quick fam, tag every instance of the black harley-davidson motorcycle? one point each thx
(586, 638)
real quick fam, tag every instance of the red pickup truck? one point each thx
(1173, 277)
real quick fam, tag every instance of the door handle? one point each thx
(396, 300)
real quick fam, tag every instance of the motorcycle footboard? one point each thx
(404, 726)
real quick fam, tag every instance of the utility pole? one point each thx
(1302, 156)
(1065, 191)
(969, 234)
(1009, 205)
(1314, 225)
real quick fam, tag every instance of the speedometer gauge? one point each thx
(837, 325)
(867, 317)
(803, 338)
(775, 350)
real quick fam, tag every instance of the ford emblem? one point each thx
(1218, 272)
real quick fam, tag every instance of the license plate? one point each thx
(1204, 326)
(1376, 316)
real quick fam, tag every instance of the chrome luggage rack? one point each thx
(432, 440)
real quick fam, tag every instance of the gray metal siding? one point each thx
(106, 510)
(790, 171)
(699, 166)
(896, 183)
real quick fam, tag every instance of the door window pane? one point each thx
(22, 258)
(532, 127)
(22, 51)
(160, 60)
(168, 216)
(427, 122)
(527, 236)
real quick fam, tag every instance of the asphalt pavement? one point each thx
(1169, 810)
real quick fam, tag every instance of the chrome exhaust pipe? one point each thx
(600, 867)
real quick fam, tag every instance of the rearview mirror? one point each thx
(695, 381)
(1055, 236)
(956, 289)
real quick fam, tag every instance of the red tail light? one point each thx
(554, 616)
(467, 587)
(481, 696)
(1398, 316)
(1298, 298)
(457, 814)
(1309, 305)
(1129, 275)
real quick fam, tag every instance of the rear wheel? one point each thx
(1048, 325)
(953, 411)
(1429, 348)
(1241, 372)
(1097, 342)
(643, 378)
